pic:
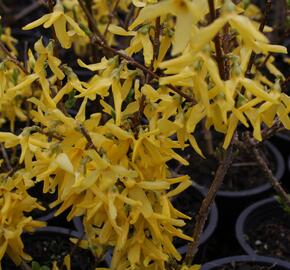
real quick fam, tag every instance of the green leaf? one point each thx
(71, 101)
(113, 114)
(130, 96)
(246, 3)
(15, 75)
(35, 265)
(44, 268)
(283, 204)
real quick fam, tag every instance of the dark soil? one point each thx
(272, 237)
(188, 203)
(244, 173)
(48, 247)
(44, 200)
(247, 266)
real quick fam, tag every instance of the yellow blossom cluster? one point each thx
(152, 85)
(15, 204)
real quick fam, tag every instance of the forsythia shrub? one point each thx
(104, 144)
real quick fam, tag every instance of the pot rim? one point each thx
(260, 189)
(58, 230)
(245, 258)
(211, 226)
(65, 232)
(283, 136)
(241, 223)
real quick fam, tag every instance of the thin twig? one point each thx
(24, 12)
(6, 158)
(156, 45)
(265, 60)
(12, 58)
(226, 40)
(92, 21)
(244, 164)
(277, 127)
(284, 84)
(111, 16)
(217, 42)
(207, 136)
(207, 203)
(25, 55)
(129, 17)
(25, 266)
(51, 134)
(267, 172)
(95, 39)
(88, 137)
(261, 29)
(4, 8)
(56, 45)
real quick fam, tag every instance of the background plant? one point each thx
(104, 144)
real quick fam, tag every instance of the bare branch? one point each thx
(207, 203)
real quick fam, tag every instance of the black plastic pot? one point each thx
(233, 202)
(80, 258)
(283, 136)
(197, 194)
(61, 221)
(282, 142)
(288, 163)
(280, 169)
(78, 224)
(254, 215)
(52, 233)
(273, 263)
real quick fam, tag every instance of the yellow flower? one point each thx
(14, 202)
(9, 41)
(187, 13)
(141, 40)
(59, 20)
(45, 54)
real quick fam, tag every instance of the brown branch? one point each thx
(217, 42)
(130, 60)
(111, 16)
(156, 45)
(265, 60)
(129, 16)
(207, 203)
(156, 41)
(88, 137)
(12, 58)
(51, 134)
(284, 84)
(267, 172)
(261, 29)
(5, 157)
(25, 266)
(207, 136)
(24, 12)
(270, 132)
(98, 38)
(56, 45)
(226, 40)
(4, 8)
(92, 21)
